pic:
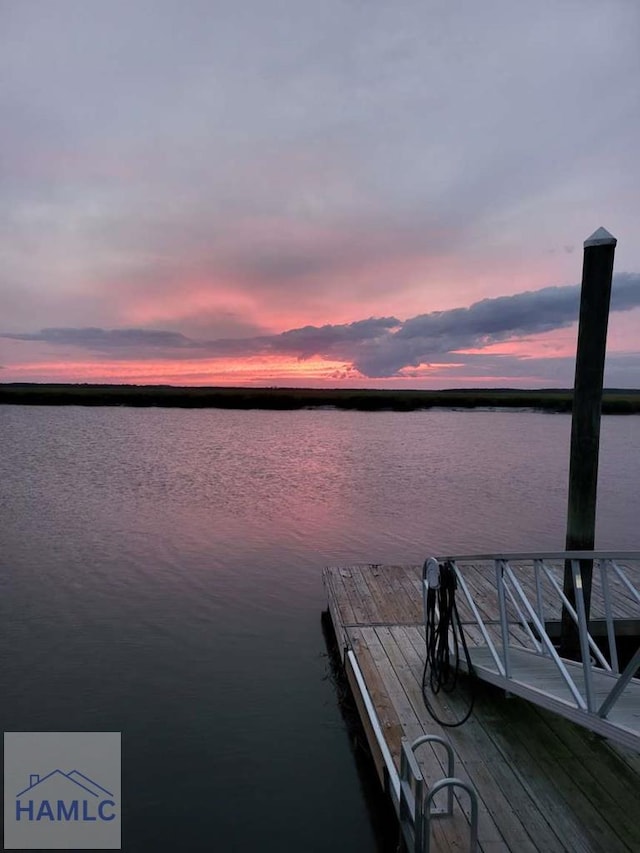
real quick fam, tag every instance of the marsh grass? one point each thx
(615, 401)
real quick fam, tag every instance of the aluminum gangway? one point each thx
(509, 602)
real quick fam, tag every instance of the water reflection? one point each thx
(160, 574)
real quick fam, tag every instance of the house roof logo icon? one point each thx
(64, 791)
(78, 783)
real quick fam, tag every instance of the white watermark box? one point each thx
(62, 791)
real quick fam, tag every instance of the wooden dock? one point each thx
(543, 782)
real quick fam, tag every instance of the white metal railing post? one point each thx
(539, 601)
(620, 685)
(547, 642)
(572, 612)
(583, 633)
(478, 618)
(504, 626)
(625, 580)
(608, 612)
(522, 618)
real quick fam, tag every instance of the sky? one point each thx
(352, 193)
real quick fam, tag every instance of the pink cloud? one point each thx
(247, 371)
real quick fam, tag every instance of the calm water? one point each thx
(160, 575)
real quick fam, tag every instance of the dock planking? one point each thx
(543, 783)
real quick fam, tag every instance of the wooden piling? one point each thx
(597, 272)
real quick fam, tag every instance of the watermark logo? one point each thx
(73, 800)
(48, 807)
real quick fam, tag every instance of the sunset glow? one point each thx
(386, 198)
(250, 371)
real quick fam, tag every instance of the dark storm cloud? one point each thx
(324, 340)
(104, 340)
(429, 336)
(376, 347)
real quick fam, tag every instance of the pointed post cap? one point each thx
(601, 237)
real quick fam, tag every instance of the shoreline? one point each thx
(615, 401)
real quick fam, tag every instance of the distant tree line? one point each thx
(615, 401)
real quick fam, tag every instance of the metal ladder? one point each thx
(416, 807)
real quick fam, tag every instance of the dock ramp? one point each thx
(507, 603)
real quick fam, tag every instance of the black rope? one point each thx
(443, 638)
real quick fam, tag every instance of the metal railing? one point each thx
(416, 809)
(517, 606)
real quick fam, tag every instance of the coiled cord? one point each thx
(443, 638)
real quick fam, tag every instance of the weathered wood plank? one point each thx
(543, 783)
(358, 608)
(387, 607)
(531, 746)
(506, 810)
(400, 607)
(335, 610)
(410, 580)
(343, 601)
(432, 759)
(387, 716)
(367, 601)
(450, 834)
